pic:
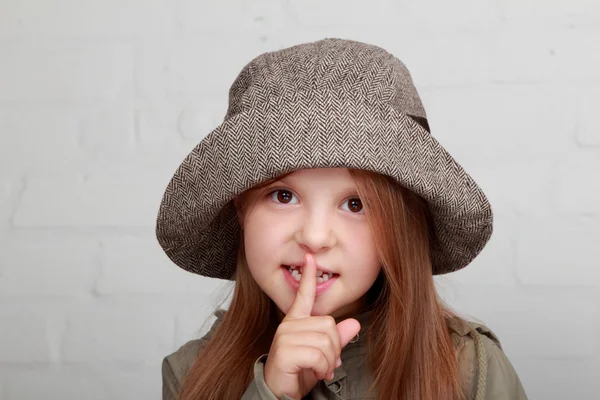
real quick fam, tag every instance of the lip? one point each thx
(294, 284)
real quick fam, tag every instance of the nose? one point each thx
(316, 233)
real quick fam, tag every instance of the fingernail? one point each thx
(330, 376)
(338, 362)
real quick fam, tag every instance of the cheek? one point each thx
(262, 240)
(362, 249)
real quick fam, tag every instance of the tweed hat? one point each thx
(332, 103)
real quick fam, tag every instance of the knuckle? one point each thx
(317, 357)
(326, 347)
(326, 341)
(330, 322)
(323, 339)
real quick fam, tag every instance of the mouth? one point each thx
(322, 276)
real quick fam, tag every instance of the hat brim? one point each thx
(197, 224)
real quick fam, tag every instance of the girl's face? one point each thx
(315, 211)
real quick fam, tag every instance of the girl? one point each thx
(327, 201)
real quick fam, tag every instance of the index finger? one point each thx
(305, 297)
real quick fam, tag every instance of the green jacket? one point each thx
(485, 371)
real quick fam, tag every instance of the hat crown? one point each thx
(347, 68)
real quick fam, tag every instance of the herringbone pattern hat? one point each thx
(327, 104)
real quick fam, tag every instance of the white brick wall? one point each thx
(100, 101)
(64, 70)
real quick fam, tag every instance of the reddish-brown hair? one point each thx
(409, 344)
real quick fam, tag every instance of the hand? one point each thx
(306, 349)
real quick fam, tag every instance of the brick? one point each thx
(122, 333)
(195, 69)
(71, 71)
(195, 123)
(51, 383)
(139, 265)
(24, 338)
(514, 54)
(493, 124)
(560, 378)
(529, 55)
(93, 382)
(538, 12)
(10, 188)
(108, 130)
(495, 265)
(125, 198)
(588, 127)
(174, 129)
(533, 322)
(578, 186)
(159, 127)
(24, 269)
(26, 18)
(519, 186)
(149, 164)
(561, 251)
(157, 122)
(403, 17)
(456, 59)
(260, 16)
(34, 135)
(141, 383)
(195, 318)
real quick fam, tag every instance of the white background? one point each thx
(101, 100)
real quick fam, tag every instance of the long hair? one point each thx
(410, 348)
(409, 344)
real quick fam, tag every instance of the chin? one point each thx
(319, 310)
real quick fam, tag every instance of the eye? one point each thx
(354, 205)
(282, 196)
